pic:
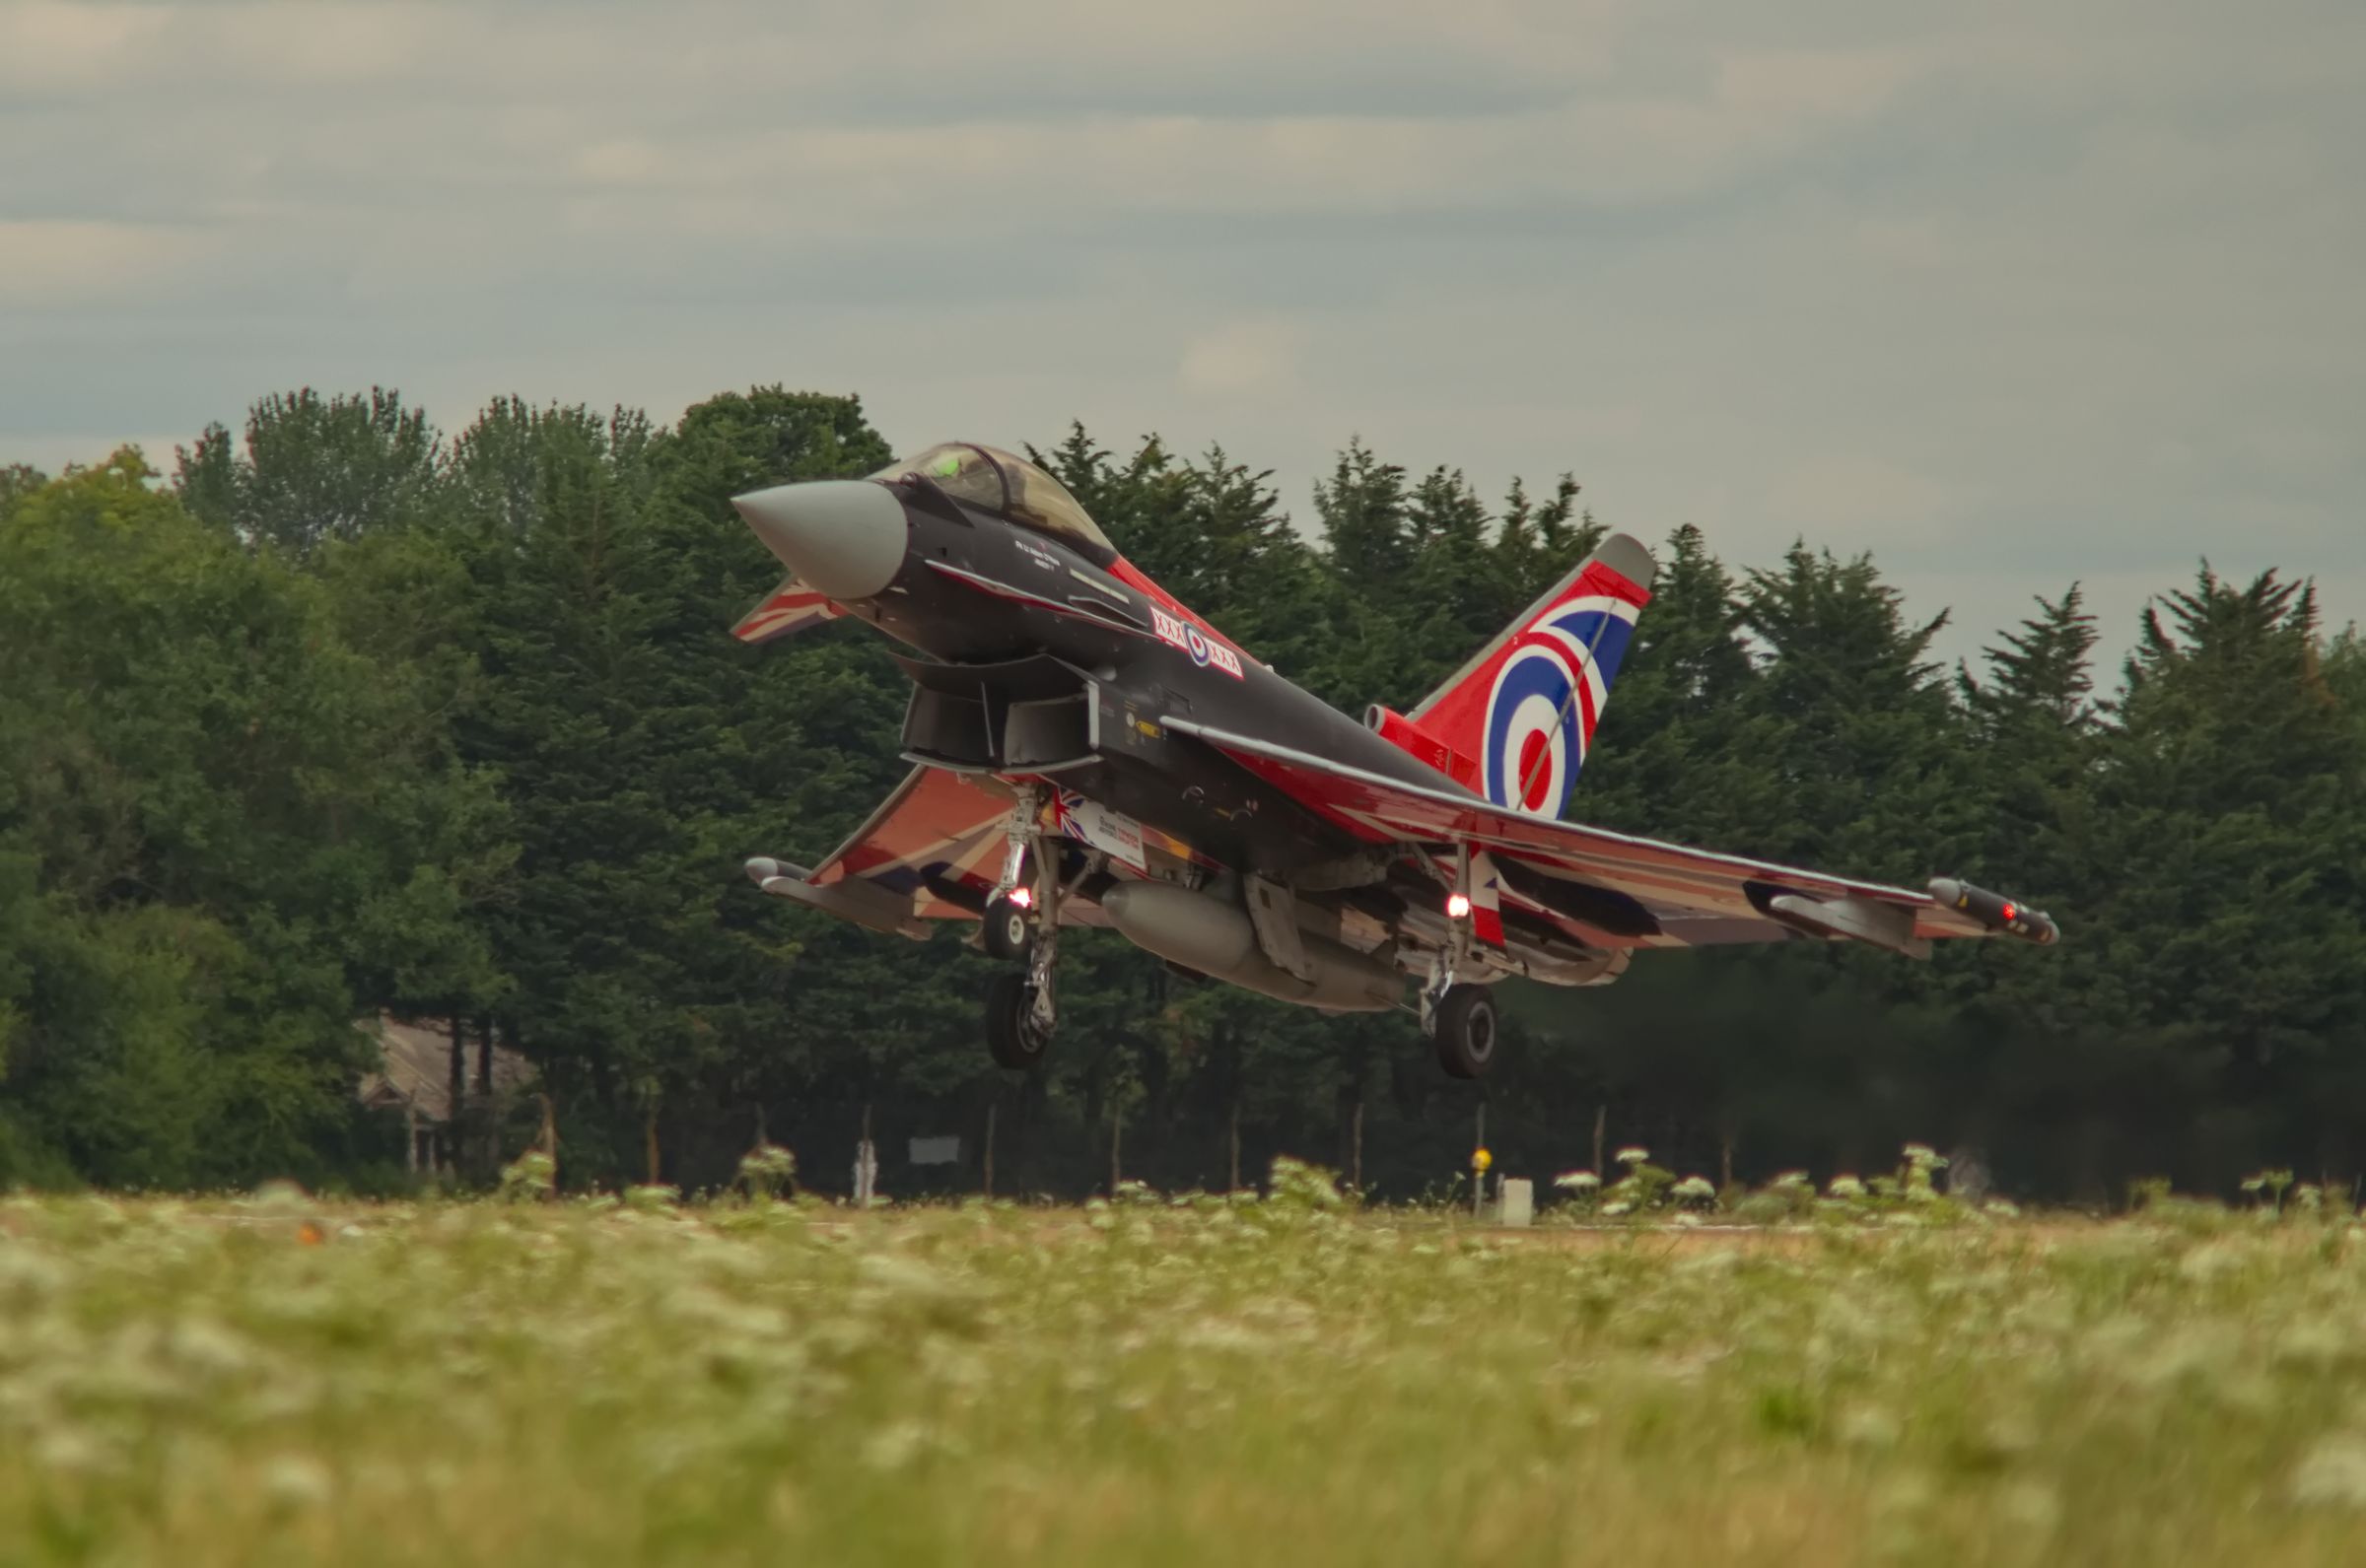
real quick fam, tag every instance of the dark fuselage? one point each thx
(977, 589)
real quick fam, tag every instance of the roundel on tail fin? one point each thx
(1533, 732)
(1526, 704)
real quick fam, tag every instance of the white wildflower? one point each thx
(2031, 1504)
(2333, 1474)
(296, 1480)
(279, 1196)
(652, 1197)
(1632, 1154)
(1616, 1206)
(66, 1449)
(1846, 1187)
(1695, 1186)
(895, 1445)
(1869, 1426)
(1576, 1181)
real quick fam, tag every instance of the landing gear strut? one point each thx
(1023, 923)
(1458, 1016)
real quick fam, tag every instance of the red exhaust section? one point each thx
(1420, 744)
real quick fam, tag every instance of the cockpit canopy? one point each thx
(1008, 486)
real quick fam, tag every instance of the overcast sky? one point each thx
(2007, 292)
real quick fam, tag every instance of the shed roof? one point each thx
(415, 1068)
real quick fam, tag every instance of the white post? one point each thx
(866, 1165)
(867, 1173)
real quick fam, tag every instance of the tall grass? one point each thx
(278, 1382)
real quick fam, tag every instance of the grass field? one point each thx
(271, 1380)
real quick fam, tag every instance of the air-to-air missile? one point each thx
(1995, 911)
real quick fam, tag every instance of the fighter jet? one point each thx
(1088, 751)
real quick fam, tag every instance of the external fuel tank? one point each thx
(1214, 935)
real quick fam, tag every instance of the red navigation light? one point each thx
(1023, 896)
(1457, 906)
(2012, 911)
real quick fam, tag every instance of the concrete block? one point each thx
(1517, 1206)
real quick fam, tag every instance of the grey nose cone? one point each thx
(844, 538)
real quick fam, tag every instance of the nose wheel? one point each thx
(1008, 930)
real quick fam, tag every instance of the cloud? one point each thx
(2006, 294)
(63, 261)
(1243, 358)
(62, 46)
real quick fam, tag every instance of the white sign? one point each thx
(936, 1151)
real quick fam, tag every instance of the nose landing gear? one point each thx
(1008, 930)
(1023, 923)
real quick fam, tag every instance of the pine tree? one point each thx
(1871, 756)
(2231, 844)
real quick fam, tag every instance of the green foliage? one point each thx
(1298, 1187)
(311, 469)
(225, 834)
(532, 1178)
(359, 717)
(768, 1171)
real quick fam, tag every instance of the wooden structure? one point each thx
(425, 1067)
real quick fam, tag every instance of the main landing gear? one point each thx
(1458, 1016)
(1012, 1034)
(1461, 1024)
(1022, 922)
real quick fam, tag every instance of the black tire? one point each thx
(1463, 1028)
(1012, 1033)
(1008, 931)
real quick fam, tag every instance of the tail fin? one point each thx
(1516, 722)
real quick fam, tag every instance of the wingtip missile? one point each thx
(1995, 911)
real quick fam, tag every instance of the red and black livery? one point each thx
(1087, 750)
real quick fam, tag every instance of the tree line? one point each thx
(346, 716)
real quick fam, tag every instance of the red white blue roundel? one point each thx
(1547, 697)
